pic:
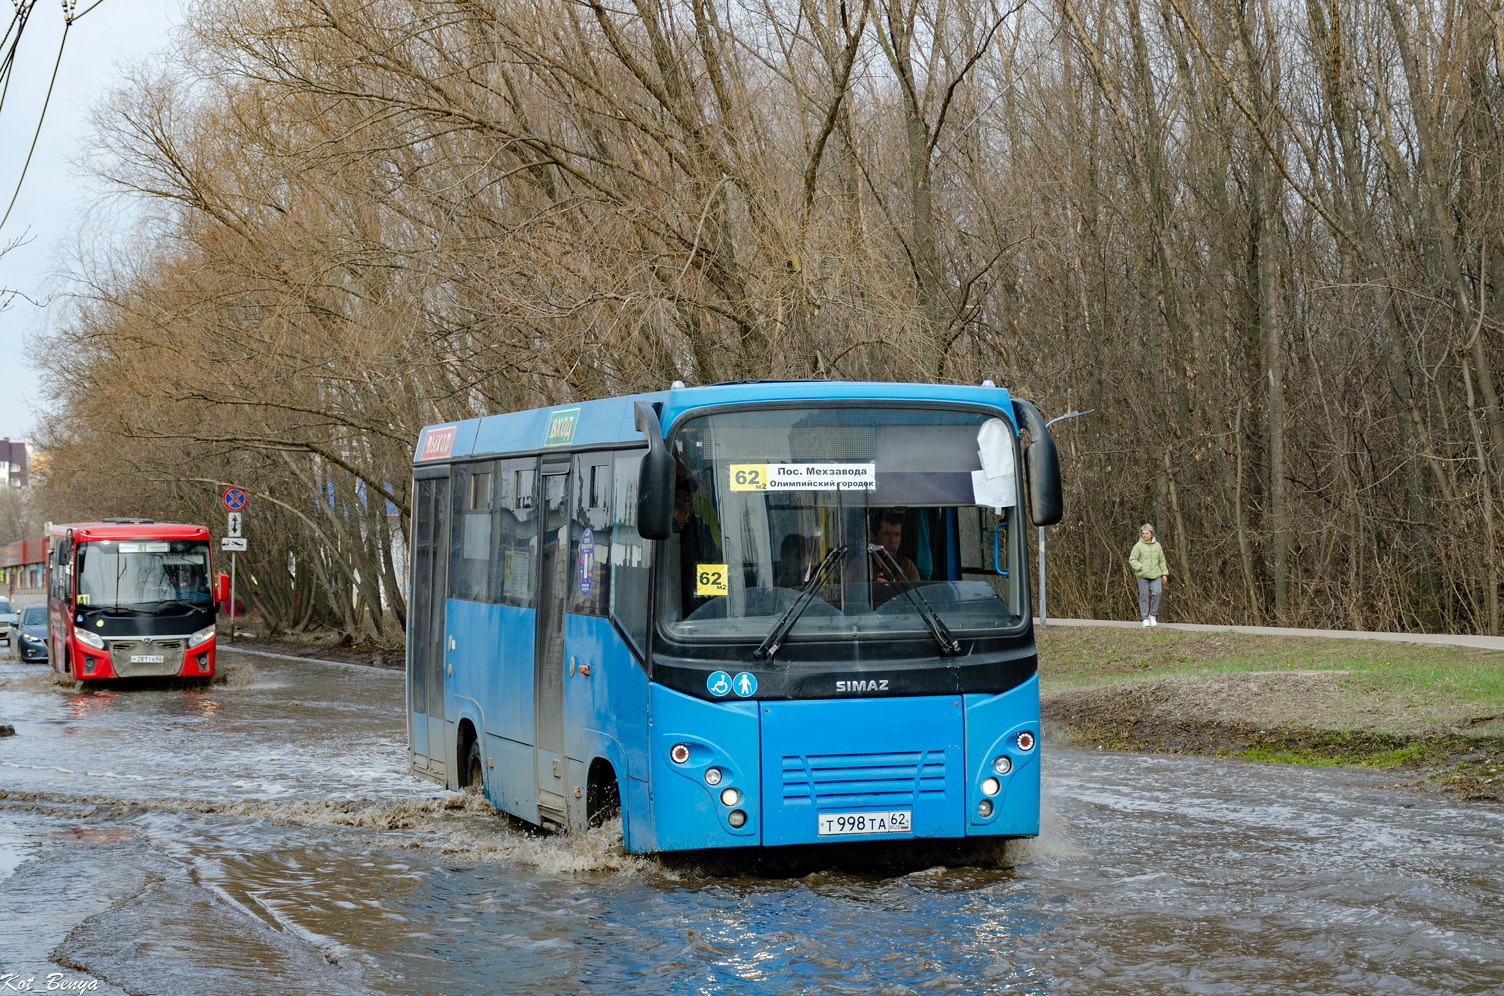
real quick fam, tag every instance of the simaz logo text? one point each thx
(438, 443)
(54, 982)
(876, 685)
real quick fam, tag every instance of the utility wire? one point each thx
(7, 66)
(38, 133)
(18, 26)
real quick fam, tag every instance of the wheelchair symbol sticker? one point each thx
(745, 684)
(719, 683)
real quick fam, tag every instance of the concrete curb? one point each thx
(306, 660)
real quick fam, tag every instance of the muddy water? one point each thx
(260, 836)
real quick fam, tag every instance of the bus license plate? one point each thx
(839, 824)
(148, 658)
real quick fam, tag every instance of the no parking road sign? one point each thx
(235, 499)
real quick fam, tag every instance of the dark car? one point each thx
(30, 641)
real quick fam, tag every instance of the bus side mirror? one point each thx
(221, 588)
(655, 480)
(1043, 466)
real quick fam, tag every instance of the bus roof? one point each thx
(85, 531)
(611, 420)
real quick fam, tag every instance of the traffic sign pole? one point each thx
(234, 500)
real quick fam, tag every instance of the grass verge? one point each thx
(1437, 712)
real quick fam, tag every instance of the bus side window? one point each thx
(61, 575)
(592, 514)
(629, 555)
(471, 550)
(516, 533)
(984, 541)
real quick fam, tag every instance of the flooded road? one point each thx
(261, 836)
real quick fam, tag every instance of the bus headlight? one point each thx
(990, 786)
(89, 639)
(679, 753)
(201, 636)
(712, 776)
(984, 808)
(1002, 764)
(737, 818)
(730, 797)
(1026, 741)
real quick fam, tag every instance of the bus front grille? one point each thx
(863, 779)
(170, 652)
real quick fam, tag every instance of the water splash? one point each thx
(460, 825)
(37, 681)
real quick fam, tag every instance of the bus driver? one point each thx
(887, 532)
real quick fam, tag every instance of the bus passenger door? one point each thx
(548, 662)
(430, 585)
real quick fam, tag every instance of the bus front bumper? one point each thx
(889, 768)
(140, 657)
(842, 770)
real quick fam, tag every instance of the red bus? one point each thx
(131, 598)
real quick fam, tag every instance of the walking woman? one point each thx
(1152, 570)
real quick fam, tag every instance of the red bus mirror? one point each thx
(222, 588)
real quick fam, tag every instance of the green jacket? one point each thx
(1148, 560)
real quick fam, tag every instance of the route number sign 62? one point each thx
(710, 580)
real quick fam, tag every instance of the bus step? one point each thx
(551, 811)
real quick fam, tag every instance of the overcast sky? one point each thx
(52, 197)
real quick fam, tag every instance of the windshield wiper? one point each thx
(948, 643)
(791, 615)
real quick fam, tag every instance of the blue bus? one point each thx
(740, 615)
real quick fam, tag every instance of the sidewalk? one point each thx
(1439, 639)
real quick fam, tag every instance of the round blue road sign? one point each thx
(719, 683)
(235, 499)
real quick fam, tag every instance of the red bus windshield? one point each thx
(143, 575)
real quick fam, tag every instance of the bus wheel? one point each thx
(475, 768)
(602, 796)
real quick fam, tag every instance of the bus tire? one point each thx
(602, 794)
(475, 768)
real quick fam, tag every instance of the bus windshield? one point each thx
(143, 575)
(884, 518)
